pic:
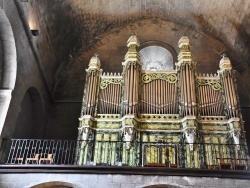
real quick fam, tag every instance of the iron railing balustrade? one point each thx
(115, 153)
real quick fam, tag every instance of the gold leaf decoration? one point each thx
(148, 77)
(215, 84)
(106, 81)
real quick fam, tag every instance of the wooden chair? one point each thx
(18, 160)
(48, 160)
(34, 159)
(240, 164)
(225, 163)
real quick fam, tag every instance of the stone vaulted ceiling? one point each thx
(72, 30)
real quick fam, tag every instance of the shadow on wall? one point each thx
(31, 119)
(55, 184)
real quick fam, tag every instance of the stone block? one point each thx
(74, 178)
(128, 185)
(89, 178)
(128, 178)
(242, 183)
(151, 179)
(205, 182)
(13, 178)
(8, 185)
(225, 182)
(104, 178)
(104, 185)
(166, 179)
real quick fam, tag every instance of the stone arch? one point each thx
(8, 65)
(30, 122)
(55, 184)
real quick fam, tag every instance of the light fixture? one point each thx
(35, 32)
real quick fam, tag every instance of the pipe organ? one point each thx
(163, 115)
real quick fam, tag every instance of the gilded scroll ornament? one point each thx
(215, 84)
(106, 81)
(148, 77)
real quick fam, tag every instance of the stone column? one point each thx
(5, 97)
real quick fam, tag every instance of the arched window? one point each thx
(156, 58)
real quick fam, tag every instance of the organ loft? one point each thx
(161, 117)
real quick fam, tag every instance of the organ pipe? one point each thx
(160, 95)
(187, 83)
(167, 103)
(93, 73)
(227, 78)
(131, 69)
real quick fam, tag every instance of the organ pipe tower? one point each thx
(173, 118)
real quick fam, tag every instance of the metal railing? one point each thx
(116, 153)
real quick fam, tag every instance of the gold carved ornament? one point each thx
(105, 82)
(148, 77)
(215, 84)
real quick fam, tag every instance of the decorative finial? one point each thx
(224, 55)
(225, 62)
(184, 35)
(133, 40)
(95, 61)
(184, 40)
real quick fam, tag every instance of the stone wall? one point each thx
(38, 180)
(28, 75)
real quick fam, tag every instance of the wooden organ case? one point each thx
(168, 118)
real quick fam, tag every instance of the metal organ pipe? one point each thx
(175, 99)
(131, 89)
(184, 92)
(229, 96)
(226, 94)
(115, 102)
(134, 103)
(187, 91)
(194, 106)
(171, 98)
(151, 98)
(212, 100)
(234, 98)
(200, 99)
